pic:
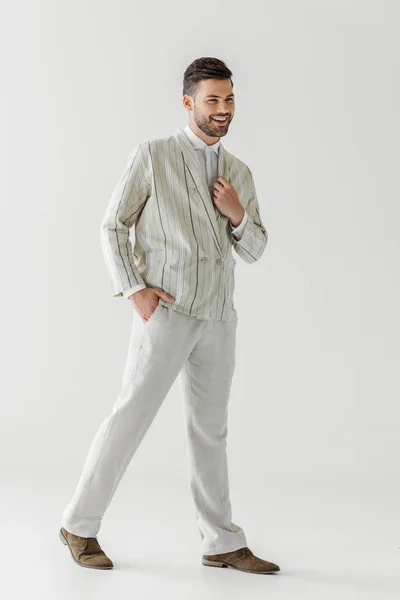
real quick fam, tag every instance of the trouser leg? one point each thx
(206, 382)
(157, 351)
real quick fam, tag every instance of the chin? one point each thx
(221, 133)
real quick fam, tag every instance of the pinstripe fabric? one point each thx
(183, 244)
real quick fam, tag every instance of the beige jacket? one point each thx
(183, 244)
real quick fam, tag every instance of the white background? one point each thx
(314, 415)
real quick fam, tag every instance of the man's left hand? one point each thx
(227, 201)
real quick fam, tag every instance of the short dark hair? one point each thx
(205, 67)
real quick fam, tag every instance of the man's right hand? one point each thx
(146, 301)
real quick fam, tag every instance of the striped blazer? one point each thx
(183, 244)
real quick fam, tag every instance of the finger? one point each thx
(162, 294)
(166, 296)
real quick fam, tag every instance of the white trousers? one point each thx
(203, 353)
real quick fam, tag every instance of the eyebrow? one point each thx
(214, 96)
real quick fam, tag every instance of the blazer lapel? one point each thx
(197, 180)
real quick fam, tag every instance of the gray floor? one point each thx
(331, 539)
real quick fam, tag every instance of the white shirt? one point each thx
(208, 159)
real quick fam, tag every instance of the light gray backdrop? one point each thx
(314, 414)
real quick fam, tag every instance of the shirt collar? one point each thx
(198, 143)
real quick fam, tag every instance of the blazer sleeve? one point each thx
(123, 210)
(254, 239)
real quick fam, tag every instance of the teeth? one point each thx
(219, 119)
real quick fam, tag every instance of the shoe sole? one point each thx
(65, 542)
(214, 563)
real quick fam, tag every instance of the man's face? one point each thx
(214, 98)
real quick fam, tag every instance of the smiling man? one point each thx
(192, 204)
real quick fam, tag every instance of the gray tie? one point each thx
(209, 167)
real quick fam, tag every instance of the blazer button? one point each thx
(204, 259)
(218, 261)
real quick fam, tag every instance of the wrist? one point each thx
(236, 220)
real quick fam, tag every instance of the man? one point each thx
(191, 201)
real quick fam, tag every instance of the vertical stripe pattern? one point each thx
(183, 245)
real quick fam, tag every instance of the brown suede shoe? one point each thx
(242, 559)
(86, 552)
